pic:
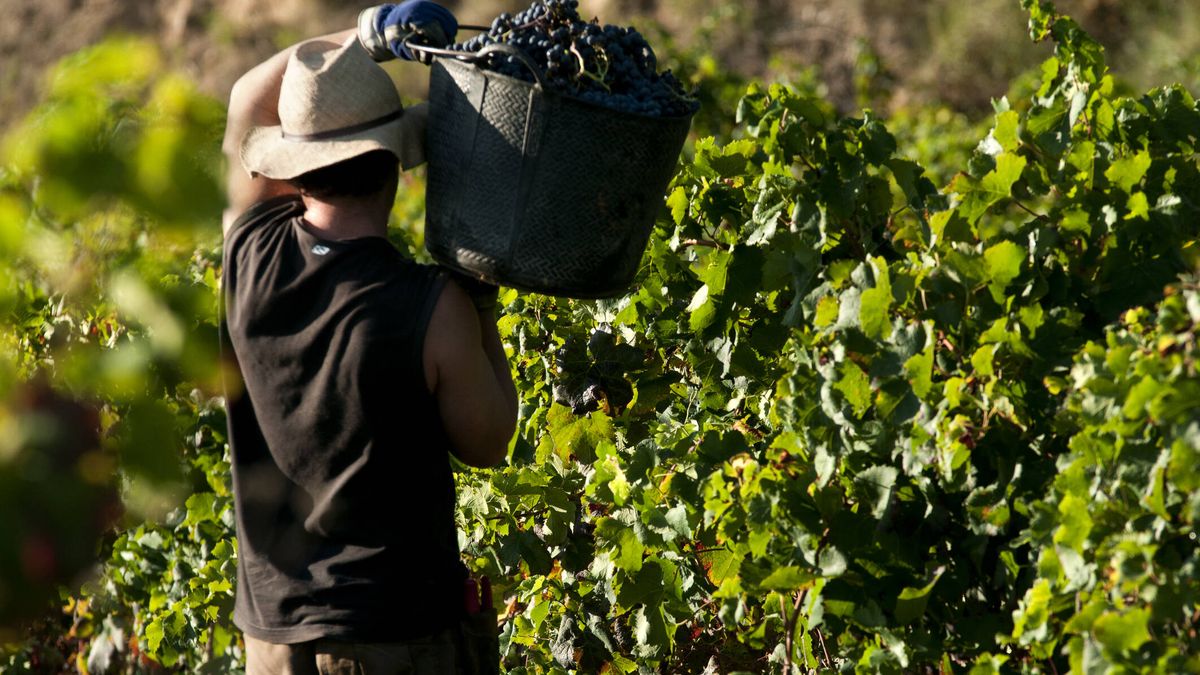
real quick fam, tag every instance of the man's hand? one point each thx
(384, 30)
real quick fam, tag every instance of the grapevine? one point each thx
(851, 418)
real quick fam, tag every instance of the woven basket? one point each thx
(539, 191)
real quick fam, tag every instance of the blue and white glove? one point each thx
(383, 30)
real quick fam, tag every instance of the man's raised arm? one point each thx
(382, 30)
(254, 101)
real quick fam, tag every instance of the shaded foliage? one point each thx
(846, 420)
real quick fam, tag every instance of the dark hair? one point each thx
(358, 176)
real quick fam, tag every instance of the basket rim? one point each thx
(445, 258)
(443, 60)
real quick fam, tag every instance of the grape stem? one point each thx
(821, 638)
(702, 242)
(584, 72)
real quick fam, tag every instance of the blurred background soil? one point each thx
(881, 53)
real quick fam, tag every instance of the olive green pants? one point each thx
(434, 655)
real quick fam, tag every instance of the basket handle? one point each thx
(472, 57)
(518, 55)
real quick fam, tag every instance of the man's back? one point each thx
(361, 372)
(345, 494)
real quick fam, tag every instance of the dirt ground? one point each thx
(947, 51)
(212, 41)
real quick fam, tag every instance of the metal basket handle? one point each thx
(472, 57)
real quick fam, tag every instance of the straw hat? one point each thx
(335, 103)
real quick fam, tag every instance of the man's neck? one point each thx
(346, 218)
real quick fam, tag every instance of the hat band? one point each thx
(345, 131)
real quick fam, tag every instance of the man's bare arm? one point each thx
(254, 101)
(468, 373)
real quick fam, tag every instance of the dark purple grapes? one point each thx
(611, 66)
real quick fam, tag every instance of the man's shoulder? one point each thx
(418, 282)
(273, 210)
(429, 272)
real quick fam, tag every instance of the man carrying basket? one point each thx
(357, 370)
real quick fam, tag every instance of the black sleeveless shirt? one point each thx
(342, 484)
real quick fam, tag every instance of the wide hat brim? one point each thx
(266, 151)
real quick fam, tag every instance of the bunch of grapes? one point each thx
(58, 497)
(612, 66)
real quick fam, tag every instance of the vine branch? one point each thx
(709, 243)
